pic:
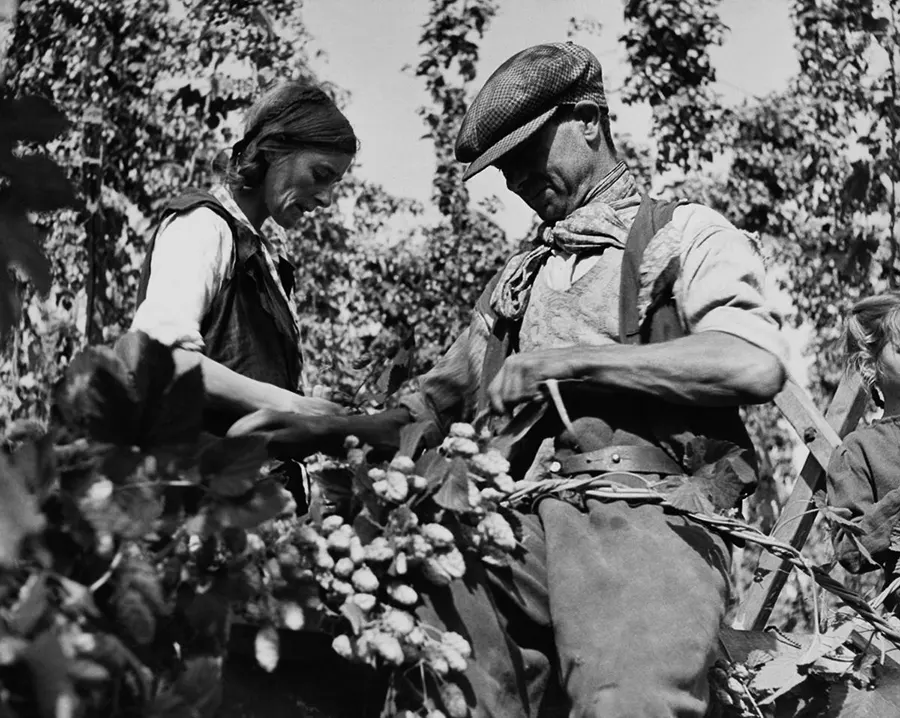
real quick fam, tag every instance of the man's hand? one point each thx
(313, 406)
(521, 376)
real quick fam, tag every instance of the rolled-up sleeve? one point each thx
(450, 391)
(191, 258)
(723, 281)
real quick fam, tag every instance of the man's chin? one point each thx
(550, 213)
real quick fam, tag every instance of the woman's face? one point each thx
(889, 370)
(300, 182)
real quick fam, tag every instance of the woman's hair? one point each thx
(873, 323)
(288, 117)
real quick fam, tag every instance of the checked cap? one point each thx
(521, 95)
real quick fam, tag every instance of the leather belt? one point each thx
(639, 459)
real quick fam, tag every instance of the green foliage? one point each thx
(814, 168)
(105, 606)
(668, 43)
(28, 183)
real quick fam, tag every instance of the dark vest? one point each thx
(248, 327)
(643, 418)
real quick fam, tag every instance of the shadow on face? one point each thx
(302, 181)
(554, 169)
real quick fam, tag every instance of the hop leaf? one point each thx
(135, 616)
(139, 575)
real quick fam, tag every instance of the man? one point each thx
(653, 318)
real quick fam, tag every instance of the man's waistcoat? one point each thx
(664, 424)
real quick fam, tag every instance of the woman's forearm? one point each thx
(235, 394)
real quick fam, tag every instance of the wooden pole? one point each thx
(92, 179)
(822, 436)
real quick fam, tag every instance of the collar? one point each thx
(617, 189)
(273, 230)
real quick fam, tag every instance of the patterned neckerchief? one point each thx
(591, 228)
(221, 193)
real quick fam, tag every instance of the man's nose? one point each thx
(515, 178)
(323, 198)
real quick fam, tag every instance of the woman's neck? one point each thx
(252, 205)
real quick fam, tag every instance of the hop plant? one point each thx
(403, 594)
(461, 430)
(496, 530)
(490, 464)
(364, 580)
(459, 446)
(443, 568)
(437, 535)
(455, 641)
(454, 701)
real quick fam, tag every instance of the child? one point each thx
(864, 472)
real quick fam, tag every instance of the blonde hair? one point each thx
(873, 323)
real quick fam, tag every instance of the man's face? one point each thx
(551, 170)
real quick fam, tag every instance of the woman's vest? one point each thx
(248, 326)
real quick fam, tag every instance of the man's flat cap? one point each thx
(522, 95)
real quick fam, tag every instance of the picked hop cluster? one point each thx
(399, 481)
(729, 683)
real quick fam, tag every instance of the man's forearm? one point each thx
(708, 368)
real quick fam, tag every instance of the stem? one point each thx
(895, 156)
(117, 559)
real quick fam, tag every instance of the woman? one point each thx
(213, 286)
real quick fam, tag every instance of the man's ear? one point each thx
(587, 113)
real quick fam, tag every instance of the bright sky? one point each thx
(367, 43)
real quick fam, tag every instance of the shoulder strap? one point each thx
(652, 216)
(189, 200)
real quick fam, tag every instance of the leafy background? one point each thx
(147, 92)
